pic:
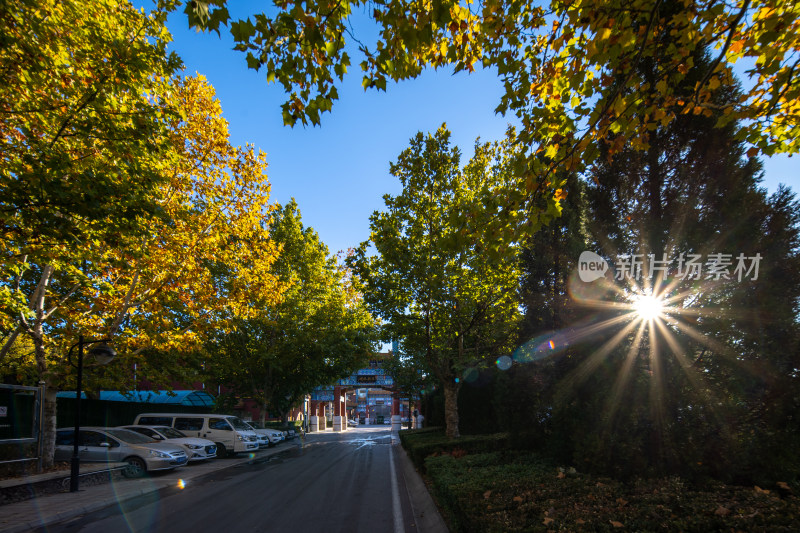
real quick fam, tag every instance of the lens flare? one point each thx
(546, 345)
(503, 362)
(648, 307)
(181, 484)
(471, 375)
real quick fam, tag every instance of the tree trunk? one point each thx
(451, 389)
(49, 427)
(263, 415)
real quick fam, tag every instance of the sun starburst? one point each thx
(648, 307)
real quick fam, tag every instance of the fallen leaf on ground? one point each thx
(622, 501)
(616, 524)
(487, 494)
(722, 511)
(518, 498)
(547, 521)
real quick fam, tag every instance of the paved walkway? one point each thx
(54, 508)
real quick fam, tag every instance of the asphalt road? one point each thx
(331, 482)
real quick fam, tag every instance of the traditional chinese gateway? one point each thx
(368, 396)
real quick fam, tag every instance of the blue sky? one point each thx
(339, 172)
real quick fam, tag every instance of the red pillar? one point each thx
(395, 411)
(343, 409)
(339, 420)
(313, 421)
(323, 420)
(337, 401)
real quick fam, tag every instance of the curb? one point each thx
(427, 518)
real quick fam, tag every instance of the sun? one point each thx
(648, 307)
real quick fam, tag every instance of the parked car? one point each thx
(263, 438)
(197, 449)
(108, 445)
(229, 432)
(273, 435)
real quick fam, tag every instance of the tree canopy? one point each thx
(83, 118)
(571, 71)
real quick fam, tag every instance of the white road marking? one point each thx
(397, 511)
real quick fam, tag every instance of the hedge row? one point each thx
(512, 491)
(421, 443)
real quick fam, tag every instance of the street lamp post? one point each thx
(103, 354)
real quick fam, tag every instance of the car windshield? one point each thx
(170, 433)
(238, 423)
(131, 437)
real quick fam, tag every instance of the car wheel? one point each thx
(222, 451)
(136, 467)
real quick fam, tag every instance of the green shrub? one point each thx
(425, 442)
(516, 491)
(462, 486)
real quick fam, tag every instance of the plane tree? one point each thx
(452, 303)
(83, 120)
(157, 290)
(318, 332)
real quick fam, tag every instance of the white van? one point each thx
(230, 433)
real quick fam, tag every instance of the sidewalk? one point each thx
(50, 509)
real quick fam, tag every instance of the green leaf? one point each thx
(254, 63)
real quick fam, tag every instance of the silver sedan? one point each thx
(109, 445)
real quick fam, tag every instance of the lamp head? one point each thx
(103, 354)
